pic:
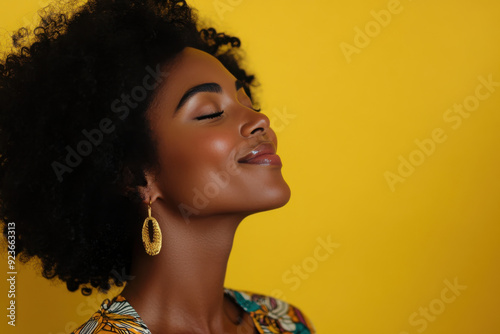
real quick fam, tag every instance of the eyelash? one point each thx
(213, 115)
(217, 114)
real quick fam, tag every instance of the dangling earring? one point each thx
(152, 247)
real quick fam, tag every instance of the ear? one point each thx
(147, 186)
(151, 191)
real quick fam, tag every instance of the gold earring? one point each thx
(152, 247)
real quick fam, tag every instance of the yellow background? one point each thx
(341, 126)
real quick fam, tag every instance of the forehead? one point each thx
(189, 68)
(194, 61)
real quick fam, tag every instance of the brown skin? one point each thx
(180, 290)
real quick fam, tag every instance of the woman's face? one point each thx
(199, 157)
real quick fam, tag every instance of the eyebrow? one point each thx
(210, 87)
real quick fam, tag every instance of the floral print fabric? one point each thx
(270, 315)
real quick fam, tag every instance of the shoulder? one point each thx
(273, 315)
(114, 316)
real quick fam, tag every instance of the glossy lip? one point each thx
(262, 154)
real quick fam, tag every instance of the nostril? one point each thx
(261, 129)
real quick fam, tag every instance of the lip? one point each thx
(262, 154)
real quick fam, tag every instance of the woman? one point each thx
(130, 143)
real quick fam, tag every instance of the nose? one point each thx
(254, 123)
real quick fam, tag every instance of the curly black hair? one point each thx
(74, 139)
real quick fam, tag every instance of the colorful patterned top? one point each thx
(270, 315)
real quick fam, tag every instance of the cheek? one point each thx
(189, 160)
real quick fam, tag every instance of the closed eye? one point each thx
(209, 116)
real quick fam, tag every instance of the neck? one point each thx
(182, 288)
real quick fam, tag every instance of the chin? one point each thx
(284, 197)
(254, 200)
(272, 199)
